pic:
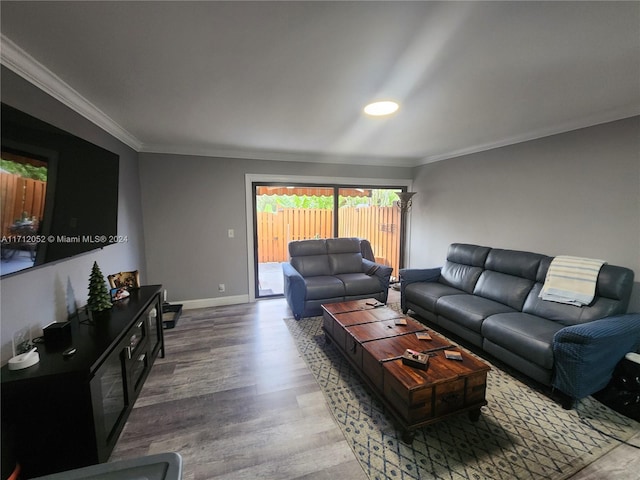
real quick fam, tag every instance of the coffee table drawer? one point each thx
(372, 370)
(449, 397)
(353, 351)
(412, 405)
(328, 324)
(425, 403)
(476, 388)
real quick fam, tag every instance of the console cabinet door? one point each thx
(153, 316)
(111, 399)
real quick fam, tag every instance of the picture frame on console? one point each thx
(126, 280)
(118, 294)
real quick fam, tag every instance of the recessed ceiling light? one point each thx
(378, 109)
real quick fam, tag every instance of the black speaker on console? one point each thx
(57, 333)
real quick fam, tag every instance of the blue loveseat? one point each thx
(331, 270)
(490, 298)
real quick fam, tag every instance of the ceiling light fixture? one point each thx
(378, 109)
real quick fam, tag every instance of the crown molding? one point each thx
(585, 122)
(280, 156)
(20, 62)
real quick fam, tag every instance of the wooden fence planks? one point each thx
(379, 225)
(20, 197)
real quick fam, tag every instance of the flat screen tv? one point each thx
(59, 193)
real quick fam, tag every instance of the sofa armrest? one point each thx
(295, 289)
(412, 275)
(381, 272)
(585, 355)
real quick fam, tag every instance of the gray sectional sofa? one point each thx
(331, 270)
(490, 298)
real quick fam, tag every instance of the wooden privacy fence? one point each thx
(20, 197)
(379, 225)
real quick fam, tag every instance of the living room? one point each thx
(568, 188)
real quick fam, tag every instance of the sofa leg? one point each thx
(297, 316)
(566, 401)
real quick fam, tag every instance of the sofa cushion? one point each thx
(320, 287)
(309, 257)
(463, 266)
(566, 314)
(343, 245)
(615, 283)
(457, 275)
(469, 310)
(426, 294)
(344, 255)
(514, 262)
(528, 336)
(345, 263)
(299, 248)
(311, 265)
(503, 288)
(359, 283)
(466, 254)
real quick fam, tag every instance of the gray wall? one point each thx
(38, 297)
(189, 204)
(576, 193)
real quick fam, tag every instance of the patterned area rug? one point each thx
(521, 434)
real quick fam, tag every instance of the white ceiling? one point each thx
(288, 80)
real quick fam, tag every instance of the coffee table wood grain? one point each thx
(371, 339)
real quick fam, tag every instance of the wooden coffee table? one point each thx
(372, 341)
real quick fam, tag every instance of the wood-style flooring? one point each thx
(236, 400)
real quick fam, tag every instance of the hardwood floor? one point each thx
(236, 400)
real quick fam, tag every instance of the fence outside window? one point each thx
(379, 225)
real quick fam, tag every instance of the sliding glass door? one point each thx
(283, 213)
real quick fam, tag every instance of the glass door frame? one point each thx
(256, 253)
(338, 182)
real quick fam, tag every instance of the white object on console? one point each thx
(24, 360)
(634, 357)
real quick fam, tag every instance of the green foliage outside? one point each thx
(273, 203)
(24, 170)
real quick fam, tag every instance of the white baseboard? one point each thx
(213, 302)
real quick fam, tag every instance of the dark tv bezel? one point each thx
(99, 167)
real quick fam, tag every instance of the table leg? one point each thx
(408, 436)
(474, 415)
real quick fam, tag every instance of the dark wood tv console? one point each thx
(68, 412)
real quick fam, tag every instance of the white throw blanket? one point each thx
(571, 280)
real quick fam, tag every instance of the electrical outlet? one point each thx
(221, 287)
(231, 233)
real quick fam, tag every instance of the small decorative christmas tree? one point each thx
(99, 298)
